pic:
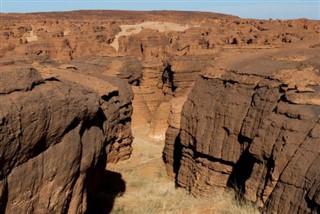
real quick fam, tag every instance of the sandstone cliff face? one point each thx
(58, 130)
(144, 47)
(124, 67)
(253, 127)
(248, 122)
(116, 103)
(172, 146)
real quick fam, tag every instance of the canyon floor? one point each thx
(146, 188)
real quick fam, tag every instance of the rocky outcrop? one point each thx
(58, 130)
(126, 67)
(116, 104)
(252, 123)
(172, 147)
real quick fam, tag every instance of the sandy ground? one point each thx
(128, 30)
(145, 161)
(148, 189)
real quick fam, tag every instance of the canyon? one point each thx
(234, 102)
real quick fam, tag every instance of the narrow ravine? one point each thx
(148, 189)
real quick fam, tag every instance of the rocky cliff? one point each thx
(68, 80)
(252, 123)
(58, 130)
(160, 53)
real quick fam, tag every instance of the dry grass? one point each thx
(149, 190)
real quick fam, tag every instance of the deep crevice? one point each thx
(4, 198)
(110, 185)
(212, 159)
(168, 79)
(270, 166)
(100, 185)
(66, 205)
(312, 205)
(177, 155)
(241, 173)
(244, 140)
(108, 97)
(230, 81)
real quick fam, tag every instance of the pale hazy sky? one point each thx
(261, 9)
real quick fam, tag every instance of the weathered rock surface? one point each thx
(251, 117)
(172, 145)
(252, 123)
(159, 123)
(116, 104)
(58, 130)
(126, 67)
(117, 43)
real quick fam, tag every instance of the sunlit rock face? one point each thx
(217, 88)
(253, 125)
(58, 130)
(159, 53)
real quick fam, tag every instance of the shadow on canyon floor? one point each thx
(111, 186)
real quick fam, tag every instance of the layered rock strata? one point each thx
(252, 123)
(116, 42)
(236, 129)
(172, 145)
